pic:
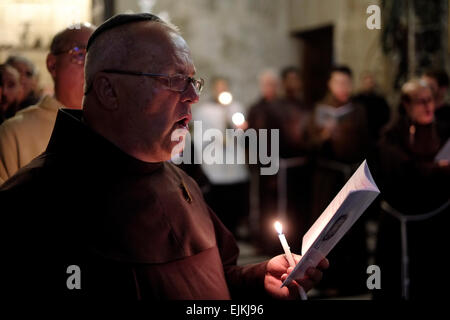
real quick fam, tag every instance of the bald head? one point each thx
(66, 37)
(269, 84)
(65, 62)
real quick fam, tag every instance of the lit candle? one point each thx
(225, 98)
(284, 244)
(288, 255)
(238, 119)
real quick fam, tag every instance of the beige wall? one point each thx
(310, 14)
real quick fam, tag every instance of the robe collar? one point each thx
(74, 138)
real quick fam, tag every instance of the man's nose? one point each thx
(428, 103)
(190, 94)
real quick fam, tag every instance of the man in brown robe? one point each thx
(413, 183)
(101, 213)
(339, 142)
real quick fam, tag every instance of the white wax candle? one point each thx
(284, 244)
(287, 251)
(288, 255)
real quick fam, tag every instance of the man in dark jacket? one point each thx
(103, 205)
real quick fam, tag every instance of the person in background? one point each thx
(339, 124)
(227, 181)
(413, 183)
(339, 127)
(293, 114)
(12, 91)
(437, 79)
(376, 106)
(264, 113)
(26, 135)
(269, 88)
(292, 86)
(28, 78)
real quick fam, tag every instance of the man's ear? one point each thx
(51, 65)
(105, 92)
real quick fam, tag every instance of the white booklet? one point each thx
(348, 205)
(444, 153)
(328, 116)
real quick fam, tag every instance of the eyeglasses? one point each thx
(77, 54)
(177, 82)
(422, 101)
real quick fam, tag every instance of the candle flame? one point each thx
(238, 118)
(278, 227)
(225, 98)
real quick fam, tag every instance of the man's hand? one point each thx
(278, 270)
(443, 163)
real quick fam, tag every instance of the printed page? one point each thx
(444, 153)
(348, 205)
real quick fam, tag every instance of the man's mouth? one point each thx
(183, 123)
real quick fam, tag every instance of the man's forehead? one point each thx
(181, 63)
(165, 49)
(421, 91)
(158, 35)
(77, 37)
(340, 75)
(425, 91)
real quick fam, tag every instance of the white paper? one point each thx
(444, 153)
(348, 205)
